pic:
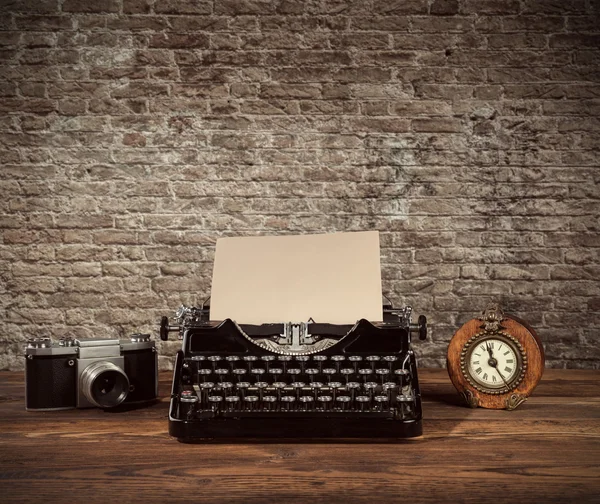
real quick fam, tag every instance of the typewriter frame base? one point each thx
(294, 427)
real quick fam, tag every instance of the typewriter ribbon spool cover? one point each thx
(331, 278)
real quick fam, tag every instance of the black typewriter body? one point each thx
(306, 380)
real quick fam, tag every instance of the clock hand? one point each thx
(494, 363)
(489, 349)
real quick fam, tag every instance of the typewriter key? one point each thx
(203, 373)
(380, 400)
(337, 359)
(329, 372)
(363, 401)
(269, 401)
(347, 372)
(214, 359)
(251, 400)
(239, 372)
(355, 359)
(298, 386)
(306, 400)
(312, 372)
(325, 401)
(258, 372)
(370, 387)
(365, 372)
(288, 401)
(205, 387)
(226, 386)
(319, 359)
(382, 372)
(232, 358)
(242, 387)
(214, 401)
(275, 372)
(302, 359)
(343, 401)
(372, 359)
(294, 371)
(352, 387)
(188, 401)
(221, 372)
(335, 387)
(250, 358)
(232, 402)
(389, 387)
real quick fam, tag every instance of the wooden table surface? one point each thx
(548, 450)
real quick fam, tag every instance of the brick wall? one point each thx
(133, 133)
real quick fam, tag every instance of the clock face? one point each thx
(494, 364)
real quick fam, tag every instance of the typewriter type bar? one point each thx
(294, 380)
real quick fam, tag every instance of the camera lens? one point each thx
(104, 384)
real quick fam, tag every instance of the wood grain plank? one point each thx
(548, 450)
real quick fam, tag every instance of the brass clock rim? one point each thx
(484, 335)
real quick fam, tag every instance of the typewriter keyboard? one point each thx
(232, 385)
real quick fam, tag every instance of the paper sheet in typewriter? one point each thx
(333, 278)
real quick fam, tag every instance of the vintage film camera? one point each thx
(85, 373)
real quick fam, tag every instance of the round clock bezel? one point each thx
(515, 345)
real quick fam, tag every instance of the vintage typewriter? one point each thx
(294, 380)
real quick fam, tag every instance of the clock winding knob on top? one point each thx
(495, 361)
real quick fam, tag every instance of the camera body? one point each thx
(100, 373)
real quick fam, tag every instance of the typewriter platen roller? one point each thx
(294, 380)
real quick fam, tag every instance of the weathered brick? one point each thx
(131, 143)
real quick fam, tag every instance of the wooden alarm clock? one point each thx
(496, 361)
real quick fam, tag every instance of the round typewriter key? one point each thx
(258, 371)
(214, 401)
(298, 386)
(250, 358)
(347, 372)
(343, 401)
(365, 372)
(269, 401)
(370, 385)
(380, 400)
(294, 371)
(401, 372)
(285, 358)
(214, 359)
(329, 372)
(404, 398)
(198, 358)
(203, 373)
(312, 372)
(242, 387)
(302, 359)
(232, 401)
(352, 388)
(372, 359)
(250, 401)
(335, 386)
(325, 400)
(355, 359)
(226, 385)
(389, 387)
(276, 372)
(307, 401)
(288, 400)
(382, 373)
(232, 358)
(239, 372)
(363, 401)
(279, 386)
(221, 372)
(205, 387)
